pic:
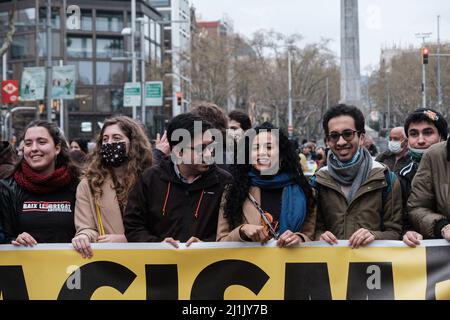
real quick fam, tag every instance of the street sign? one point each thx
(132, 94)
(63, 82)
(32, 86)
(154, 93)
(10, 91)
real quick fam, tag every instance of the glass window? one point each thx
(103, 73)
(147, 50)
(152, 30)
(3, 19)
(109, 73)
(42, 44)
(109, 22)
(167, 39)
(86, 21)
(109, 47)
(85, 73)
(153, 51)
(25, 19)
(158, 56)
(166, 15)
(116, 72)
(23, 47)
(103, 100)
(146, 26)
(158, 33)
(56, 21)
(79, 47)
(82, 102)
(160, 3)
(117, 100)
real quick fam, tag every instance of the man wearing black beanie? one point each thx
(424, 128)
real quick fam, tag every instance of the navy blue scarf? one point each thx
(293, 203)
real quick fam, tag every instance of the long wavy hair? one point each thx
(63, 157)
(237, 192)
(139, 158)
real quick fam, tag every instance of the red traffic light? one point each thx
(425, 55)
(179, 98)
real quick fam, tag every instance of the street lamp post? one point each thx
(142, 26)
(49, 61)
(290, 121)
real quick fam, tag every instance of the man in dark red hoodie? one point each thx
(178, 200)
(8, 159)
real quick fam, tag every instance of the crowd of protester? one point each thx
(227, 181)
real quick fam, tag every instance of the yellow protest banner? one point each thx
(231, 271)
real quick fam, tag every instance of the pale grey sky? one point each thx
(382, 22)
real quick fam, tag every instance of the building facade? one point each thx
(177, 51)
(99, 50)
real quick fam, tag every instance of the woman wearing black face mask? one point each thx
(122, 153)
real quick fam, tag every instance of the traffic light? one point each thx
(425, 55)
(179, 98)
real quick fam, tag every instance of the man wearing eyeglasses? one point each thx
(424, 128)
(357, 200)
(178, 200)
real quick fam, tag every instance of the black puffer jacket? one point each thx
(48, 218)
(8, 159)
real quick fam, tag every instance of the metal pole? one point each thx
(133, 53)
(4, 66)
(439, 87)
(142, 72)
(49, 61)
(61, 106)
(424, 86)
(388, 121)
(290, 122)
(328, 95)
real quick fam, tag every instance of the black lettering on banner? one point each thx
(12, 283)
(96, 275)
(212, 281)
(438, 268)
(162, 281)
(307, 281)
(370, 281)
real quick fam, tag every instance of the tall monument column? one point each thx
(350, 62)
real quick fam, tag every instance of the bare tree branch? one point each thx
(11, 30)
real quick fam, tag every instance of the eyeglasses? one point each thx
(200, 149)
(348, 135)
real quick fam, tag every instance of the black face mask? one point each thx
(114, 154)
(319, 157)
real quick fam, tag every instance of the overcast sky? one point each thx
(382, 22)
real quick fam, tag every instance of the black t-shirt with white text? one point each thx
(48, 218)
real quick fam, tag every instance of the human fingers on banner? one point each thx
(172, 241)
(329, 238)
(412, 239)
(24, 239)
(82, 244)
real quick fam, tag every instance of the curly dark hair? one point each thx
(236, 193)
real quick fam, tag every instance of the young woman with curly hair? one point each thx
(37, 201)
(269, 189)
(121, 154)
